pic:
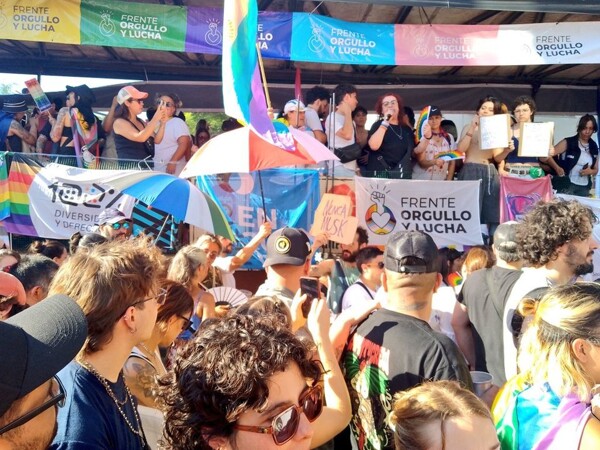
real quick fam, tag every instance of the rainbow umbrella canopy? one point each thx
(175, 196)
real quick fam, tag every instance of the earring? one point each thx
(133, 331)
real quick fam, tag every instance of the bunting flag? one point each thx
(4, 192)
(519, 195)
(243, 95)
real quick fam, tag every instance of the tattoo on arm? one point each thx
(141, 379)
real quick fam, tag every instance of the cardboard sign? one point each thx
(333, 217)
(494, 131)
(536, 139)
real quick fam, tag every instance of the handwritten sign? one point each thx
(494, 131)
(536, 139)
(333, 218)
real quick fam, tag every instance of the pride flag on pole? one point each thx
(243, 95)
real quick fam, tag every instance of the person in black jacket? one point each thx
(575, 160)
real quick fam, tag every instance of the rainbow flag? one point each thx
(243, 95)
(21, 175)
(4, 193)
(450, 156)
(423, 118)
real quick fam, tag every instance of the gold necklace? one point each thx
(139, 432)
(148, 352)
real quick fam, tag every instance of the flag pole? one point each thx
(264, 78)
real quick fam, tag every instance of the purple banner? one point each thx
(205, 32)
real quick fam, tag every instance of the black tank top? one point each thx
(127, 149)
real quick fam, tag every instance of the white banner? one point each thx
(64, 200)
(594, 204)
(446, 210)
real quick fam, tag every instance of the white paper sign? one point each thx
(494, 131)
(536, 139)
(446, 210)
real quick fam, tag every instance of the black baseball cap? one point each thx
(37, 343)
(435, 111)
(416, 244)
(505, 237)
(287, 246)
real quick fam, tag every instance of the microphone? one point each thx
(388, 117)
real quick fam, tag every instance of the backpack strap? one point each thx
(360, 283)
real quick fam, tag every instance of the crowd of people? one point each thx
(115, 345)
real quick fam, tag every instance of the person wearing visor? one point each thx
(36, 344)
(409, 280)
(261, 398)
(114, 225)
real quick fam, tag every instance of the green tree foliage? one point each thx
(8, 88)
(214, 121)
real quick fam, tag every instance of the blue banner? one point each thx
(291, 197)
(327, 40)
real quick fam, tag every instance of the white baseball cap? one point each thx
(294, 105)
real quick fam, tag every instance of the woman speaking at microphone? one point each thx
(390, 143)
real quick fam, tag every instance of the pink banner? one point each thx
(519, 195)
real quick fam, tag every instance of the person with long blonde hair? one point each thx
(559, 360)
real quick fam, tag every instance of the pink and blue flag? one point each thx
(243, 95)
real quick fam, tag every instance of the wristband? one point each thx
(428, 138)
(385, 124)
(470, 135)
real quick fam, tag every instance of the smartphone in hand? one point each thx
(311, 287)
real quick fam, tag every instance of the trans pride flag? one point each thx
(243, 95)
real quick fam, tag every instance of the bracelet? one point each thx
(428, 138)
(172, 162)
(385, 124)
(470, 135)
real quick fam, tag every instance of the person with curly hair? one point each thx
(550, 404)
(442, 414)
(241, 383)
(556, 242)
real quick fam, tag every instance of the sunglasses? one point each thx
(139, 100)
(58, 398)
(380, 265)
(188, 325)
(285, 424)
(118, 225)
(160, 298)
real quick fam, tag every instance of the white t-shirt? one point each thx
(163, 152)
(584, 158)
(224, 264)
(338, 120)
(357, 295)
(529, 280)
(434, 172)
(311, 119)
(442, 308)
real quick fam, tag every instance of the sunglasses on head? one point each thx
(167, 104)
(118, 225)
(284, 425)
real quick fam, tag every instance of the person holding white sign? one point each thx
(514, 165)
(575, 160)
(479, 164)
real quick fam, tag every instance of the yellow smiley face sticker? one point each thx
(282, 245)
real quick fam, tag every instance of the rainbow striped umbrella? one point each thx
(173, 195)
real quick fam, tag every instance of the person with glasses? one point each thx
(391, 143)
(211, 245)
(243, 383)
(30, 357)
(134, 138)
(114, 225)
(173, 151)
(145, 364)
(118, 287)
(369, 262)
(550, 403)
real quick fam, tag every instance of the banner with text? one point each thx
(497, 45)
(322, 39)
(205, 32)
(133, 25)
(56, 201)
(291, 197)
(447, 210)
(40, 20)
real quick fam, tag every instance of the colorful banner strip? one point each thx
(299, 36)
